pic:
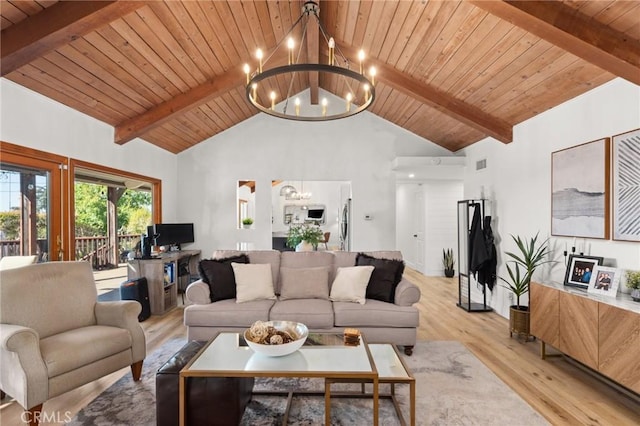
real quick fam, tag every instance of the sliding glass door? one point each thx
(32, 210)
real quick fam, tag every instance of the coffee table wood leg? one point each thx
(181, 392)
(327, 402)
(412, 401)
(375, 401)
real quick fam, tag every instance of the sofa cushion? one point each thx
(374, 314)
(69, 350)
(218, 274)
(227, 313)
(385, 277)
(253, 282)
(350, 284)
(314, 313)
(304, 283)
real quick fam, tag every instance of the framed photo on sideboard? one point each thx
(580, 269)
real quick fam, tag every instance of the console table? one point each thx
(601, 332)
(162, 273)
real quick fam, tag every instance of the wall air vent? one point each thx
(481, 164)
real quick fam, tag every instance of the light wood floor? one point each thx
(560, 391)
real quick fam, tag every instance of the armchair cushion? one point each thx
(71, 349)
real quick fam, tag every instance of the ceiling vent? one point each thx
(481, 164)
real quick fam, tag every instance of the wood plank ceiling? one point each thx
(452, 72)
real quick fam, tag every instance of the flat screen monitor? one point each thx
(173, 234)
(315, 214)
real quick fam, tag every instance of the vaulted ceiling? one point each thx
(453, 72)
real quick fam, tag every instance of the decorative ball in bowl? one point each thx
(276, 338)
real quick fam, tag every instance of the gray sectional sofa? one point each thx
(379, 321)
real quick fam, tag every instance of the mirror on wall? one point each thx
(322, 203)
(246, 204)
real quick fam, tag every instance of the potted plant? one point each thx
(633, 282)
(247, 222)
(530, 256)
(448, 262)
(304, 237)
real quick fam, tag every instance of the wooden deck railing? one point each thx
(96, 250)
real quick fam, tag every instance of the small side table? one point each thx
(391, 369)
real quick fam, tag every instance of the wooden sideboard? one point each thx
(163, 273)
(601, 333)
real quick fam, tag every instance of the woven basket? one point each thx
(519, 321)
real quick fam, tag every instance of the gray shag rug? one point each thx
(453, 387)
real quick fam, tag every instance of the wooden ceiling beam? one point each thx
(56, 26)
(166, 111)
(442, 101)
(574, 32)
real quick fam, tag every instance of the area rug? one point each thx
(453, 387)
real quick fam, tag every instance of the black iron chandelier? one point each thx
(261, 84)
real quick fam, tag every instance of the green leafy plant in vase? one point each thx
(247, 222)
(633, 282)
(531, 254)
(304, 237)
(448, 262)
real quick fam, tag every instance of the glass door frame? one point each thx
(58, 203)
(156, 192)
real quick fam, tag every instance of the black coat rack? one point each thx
(471, 214)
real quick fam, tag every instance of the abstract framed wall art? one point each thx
(626, 186)
(580, 190)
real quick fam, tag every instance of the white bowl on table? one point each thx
(283, 349)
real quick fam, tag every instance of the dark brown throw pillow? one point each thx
(218, 273)
(385, 277)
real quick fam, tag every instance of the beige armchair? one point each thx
(55, 336)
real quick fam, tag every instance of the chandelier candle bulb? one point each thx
(259, 56)
(247, 70)
(324, 106)
(272, 95)
(290, 45)
(349, 98)
(361, 59)
(297, 102)
(372, 73)
(332, 47)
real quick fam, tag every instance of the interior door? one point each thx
(419, 225)
(31, 204)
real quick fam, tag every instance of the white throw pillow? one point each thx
(253, 281)
(350, 284)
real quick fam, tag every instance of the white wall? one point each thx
(359, 149)
(517, 179)
(35, 121)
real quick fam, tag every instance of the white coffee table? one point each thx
(226, 356)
